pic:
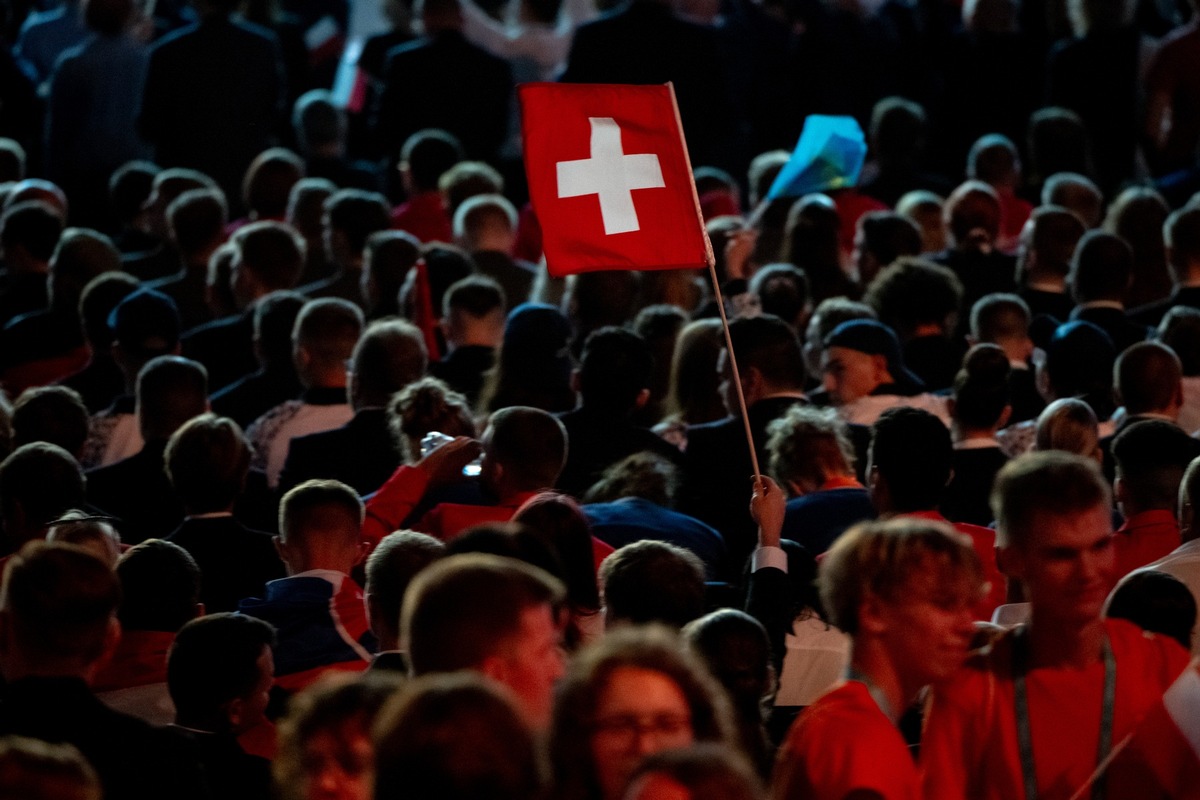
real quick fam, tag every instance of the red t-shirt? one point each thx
(969, 748)
(1144, 538)
(425, 217)
(842, 743)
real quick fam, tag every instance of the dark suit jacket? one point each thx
(225, 347)
(644, 42)
(966, 496)
(230, 772)
(362, 454)
(1051, 304)
(137, 491)
(248, 398)
(445, 82)
(1116, 323)
(463, 368)
(235, 561)
(596, 442)
(1152, 313)
(134, 760)
(718, 476)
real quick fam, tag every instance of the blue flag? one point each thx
(829, 156)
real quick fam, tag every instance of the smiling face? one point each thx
(640, 712)
(1066, 562)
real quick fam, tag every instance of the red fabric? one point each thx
(850, 206)
(298, 681)
(1168, 740)
(394, 501)
(984, 542)
(1144, 538)
(425, 316)
(719, 203)
(260, 740)
(600, 551)
(529, 236)
(425, 217)
(560, 125)
(1014, 213)
(139, 660)
(969, 748)
(45, 371)
(448, 520)
(843, 743)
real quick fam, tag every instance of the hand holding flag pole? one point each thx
(590, 151)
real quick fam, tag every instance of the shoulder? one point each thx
(1158, 659)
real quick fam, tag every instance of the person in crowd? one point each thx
(39, 482)
(197, 220)
(533, 364)
(703, 771)
(881, 238)
(1101, 274)
(473, 323)
(389, 570)
(38, 770)
(351, 216)
(652, 581)
(1044, 255)
(1004, 320)
(53, 414)
(100, 381)
(388, 257)
(1181, 237)
(424, 157)
(493, 615)
(981, 406)
(486, 226)
(1156, 602)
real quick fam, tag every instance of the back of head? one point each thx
(357, 214)
(454, 737)
(694, 380)
(214, 660)
(926, 210)
(424, 406)
(485, 220)
(99, 298)
(999, 318)
(558, 521)
(1058, 142)
(1147, 377)
(1075, 193)
(912, 452)
(1181, 234)
(145, 324)
(652, 581)
(327, 331)
(54, 414)
(427, 155)
(993, 160)
(897, 128)
(1102, 268)
(887, 559)
(1138, 215)
(973, 215)
(1079, 361)
(1180, 331)
(808, 446)
(160, 587)
(614, 371)
(467, 179)
(31, 227)
(812, 242)
(888, 235)
(763, 170)
(530, 444)
(274, 319)
(389, 256)
(12, 161)
(1050, 482)
(95, 534)
(737, 651)
(912, 293)
(207, 460)
(1054, 236)
(38, 482)
(596, 299)
(476, 297)
(197, 219)
(1070, 425)
(130, 187)
(80, 256)
(1151, 456)
(389, 356)
(171, 183)
(31, 769)
(170, 391)
(272, 251)
(767, 344)
(646, 475)
(981, 391)
(391, 567)
(306, 206)
(320, 516)
(60, 603)
(269, 180)
(1155, 602)
(782, 291)
(317, 121)
(706, 771)
(464, 608)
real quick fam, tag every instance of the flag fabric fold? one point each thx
(828, 156)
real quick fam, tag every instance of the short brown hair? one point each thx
(314, 505)
(1044, 482)
(459, 611)
(207, 460)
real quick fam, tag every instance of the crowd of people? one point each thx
(316, 484)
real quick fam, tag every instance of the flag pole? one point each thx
(737, 378)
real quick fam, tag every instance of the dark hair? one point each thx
(897, 127)
(1147, 377)
(1180, 331)
(992, 158)
(170, 391)
(317, 507)
(12, 160)
(474, 295)
(812, 242)
(454, 737)
(694, 381)
(887, 236)
(767, 343)
(913, 292)
(1156, 602)
(981, 391)
(129, 187)
(998, 317)
(912, 451)
(708, 771)
(614, 370)
(317, 121)
(198, 218)
(391, 567)
(274, 319)
(652, 581)
(32, 225)
(329, 329)
(44, 479)
(428, 154)
(530, 443)
(1044, 482)
(389, 256)
(1079, 363)
(644, 474)
(1182, 235)
(782, 291)
(80, 255)
(160, 584)
(389, 355)
(1058, 142)
(558, 521)
(60, 601)
(213, 660)
(1056, 234)
(446, 265)
(273, 251)
(459, 610)
(1151, 456)
(357, 214)
(54, 414)
(268, 181)
(97, 301)
(1102, 267)
(207, 460)
(972, 214)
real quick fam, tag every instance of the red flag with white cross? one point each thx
(610, 179)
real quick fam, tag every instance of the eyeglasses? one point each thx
(625, 729)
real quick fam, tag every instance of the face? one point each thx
(849, 374)
(640, 712)
(1067, 564)
(657, 786)
(928, 627)
(337, 765)
(533, 663)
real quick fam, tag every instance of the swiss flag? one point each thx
(1168, 739)
(610, 179)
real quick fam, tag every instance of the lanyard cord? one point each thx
(1024, 733)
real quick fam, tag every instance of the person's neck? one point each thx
(962, 433)
(872, 661)
(1064, 642)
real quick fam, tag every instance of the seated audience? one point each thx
(473, 327)
(390, 569)
(651, 581)
(39, 482)
(53, 414)
(981, 406)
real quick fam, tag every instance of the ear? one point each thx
(233, 711)
(881, 367)
(872, 614)
(495, 667)
(642, 398)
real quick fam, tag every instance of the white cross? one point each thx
(612, 175)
